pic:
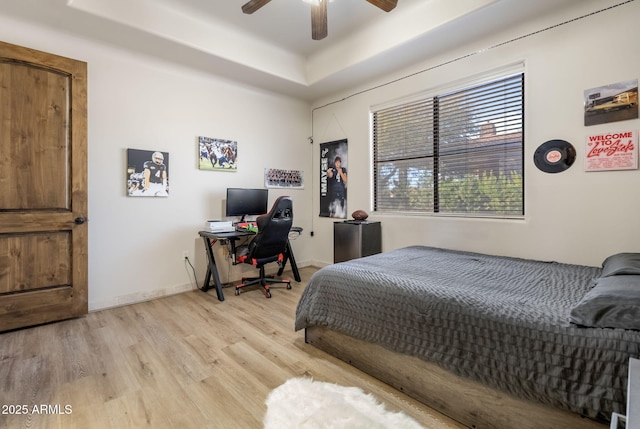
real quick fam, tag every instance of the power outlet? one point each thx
(185, 254)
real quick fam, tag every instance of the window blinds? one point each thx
(456, 153)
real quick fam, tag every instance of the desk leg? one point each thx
(294, 267)
(211, 269)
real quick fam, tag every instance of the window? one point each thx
(458, 153)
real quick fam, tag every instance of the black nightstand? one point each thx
(354, 239)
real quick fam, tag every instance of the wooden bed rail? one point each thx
(466, 401)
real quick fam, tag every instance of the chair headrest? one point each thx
(282, 207)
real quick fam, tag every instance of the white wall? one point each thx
(136, 244)
(573, 216)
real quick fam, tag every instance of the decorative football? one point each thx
(359, 215)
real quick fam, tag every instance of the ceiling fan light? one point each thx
(318, 12)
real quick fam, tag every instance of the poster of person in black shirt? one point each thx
(333, 179)
(147, 173)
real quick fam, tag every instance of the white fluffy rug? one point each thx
(302, 403)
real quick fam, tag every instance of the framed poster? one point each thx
(287, 179)
(611, 103)
(147, 173)
(611, 151)
(333, 179)
(217, 154)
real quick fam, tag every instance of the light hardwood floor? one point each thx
(184, 361)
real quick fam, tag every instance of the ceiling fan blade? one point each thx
(319, 20)
(386, 5)
(253, 5)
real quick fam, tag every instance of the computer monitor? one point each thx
(246, 202)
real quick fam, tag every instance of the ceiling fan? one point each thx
(318, 13)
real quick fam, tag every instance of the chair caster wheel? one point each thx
(267, 294)
(237, 292)
(288, 285)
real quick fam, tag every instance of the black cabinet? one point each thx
(355, 239)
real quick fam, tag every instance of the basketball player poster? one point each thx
(333, 179)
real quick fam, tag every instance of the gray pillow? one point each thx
(614, 302)
(621, 263)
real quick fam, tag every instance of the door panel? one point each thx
(36, 130)
(43, 193)
(17, 256)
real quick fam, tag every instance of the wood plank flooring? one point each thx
(184, 361)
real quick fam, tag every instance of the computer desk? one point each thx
(210, 238)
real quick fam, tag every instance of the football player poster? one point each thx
(217, 154)
(147, 173)
(333, 179)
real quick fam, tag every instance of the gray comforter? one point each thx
(501, 321)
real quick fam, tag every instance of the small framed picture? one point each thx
(217, 154)
(287, 179)
(615, 150)
(611, 103)
(147, 173)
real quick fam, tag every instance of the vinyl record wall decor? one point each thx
(554, 156)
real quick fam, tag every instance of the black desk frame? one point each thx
(210, 238)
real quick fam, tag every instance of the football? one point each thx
(359, 215)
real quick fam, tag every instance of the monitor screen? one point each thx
(246, 202)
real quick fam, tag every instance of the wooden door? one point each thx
(43, 187)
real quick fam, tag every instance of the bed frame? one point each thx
(466, 401)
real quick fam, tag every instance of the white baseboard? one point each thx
(137, 297)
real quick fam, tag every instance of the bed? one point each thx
(488, 340)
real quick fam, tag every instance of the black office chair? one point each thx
(269, 244)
